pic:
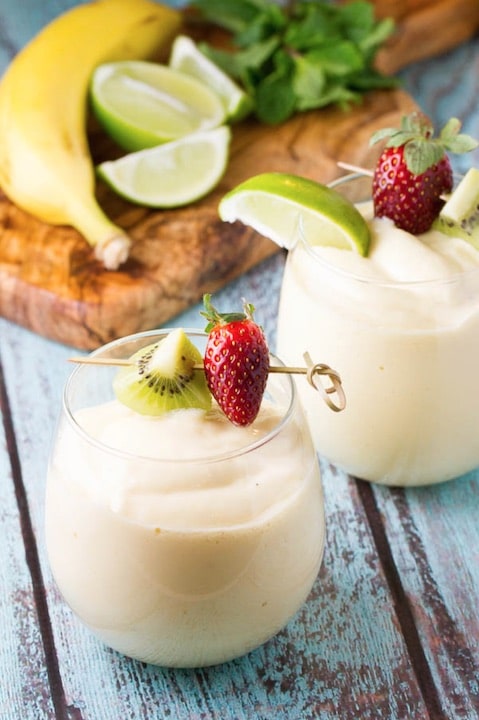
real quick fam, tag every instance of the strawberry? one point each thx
(414, 172)
(236, 362)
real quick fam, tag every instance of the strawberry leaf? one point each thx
(421, 155)
(450, 129)
(421, 149)
(462, 144)
(214, 317)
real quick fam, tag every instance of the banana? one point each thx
(45, 162)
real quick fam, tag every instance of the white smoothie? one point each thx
(401, 327)
(183, 562)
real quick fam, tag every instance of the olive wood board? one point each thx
(50, 281)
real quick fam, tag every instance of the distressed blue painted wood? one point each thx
(391, 628)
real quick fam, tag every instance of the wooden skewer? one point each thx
(312, 372)
(364, 171)
(124, 362)
(88, 360)
(355, 168)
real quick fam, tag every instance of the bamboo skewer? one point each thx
(312, 371)
(354, 168)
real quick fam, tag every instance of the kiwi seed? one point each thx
(460, 215)
(162, 377)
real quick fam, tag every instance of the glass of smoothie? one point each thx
(401, 326)
(181, 540)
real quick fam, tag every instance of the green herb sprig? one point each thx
(300, 56)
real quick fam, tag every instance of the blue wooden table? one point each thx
(391, 628)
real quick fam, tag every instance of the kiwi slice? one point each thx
(460, 215)
(162, 377)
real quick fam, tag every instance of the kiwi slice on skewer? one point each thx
(162, 377)
(460, 215)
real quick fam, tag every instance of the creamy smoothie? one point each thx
(401, 326)
(183, 540)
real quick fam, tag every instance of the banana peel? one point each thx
(45, 163)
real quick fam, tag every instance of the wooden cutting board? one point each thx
(51, 284)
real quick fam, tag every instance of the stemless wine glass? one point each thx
(184, 556)
(407, 353)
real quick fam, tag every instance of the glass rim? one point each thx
(204, 459)
(452, 279)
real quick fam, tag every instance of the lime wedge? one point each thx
(142, 104)
(188, 58)
(273, 204)
(173, 174)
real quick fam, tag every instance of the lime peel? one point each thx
(173, 174)
(142, 104)
(274, 204)
(188, 58)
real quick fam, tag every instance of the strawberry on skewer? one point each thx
(414, 172)
(236, 362)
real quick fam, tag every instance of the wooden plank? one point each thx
(24, 688)
(433, 534)
(433, 531)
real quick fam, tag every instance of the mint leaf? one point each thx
(313, 25)
(234, 17)
(244, 64)
(370, 44)
(267, 22)
(300, 55)
(275, 99)
(229, 62)
(336, 93)
(308, 83)
(369, 79)
(337, 59)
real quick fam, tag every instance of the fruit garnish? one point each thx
(272, 204)
(236, 362)
(45, 163)
(172, 373)
(162, 377)
(188, 58)
(460, 215)
(314, 373)
(142, 104)
(414, 171)
(162, 176)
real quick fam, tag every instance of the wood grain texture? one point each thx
(24, 690)
(424, 29)
(434, 534)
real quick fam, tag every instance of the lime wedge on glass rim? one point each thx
(274, 204)
(142, 104)
(172, 174)
(188, 58)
